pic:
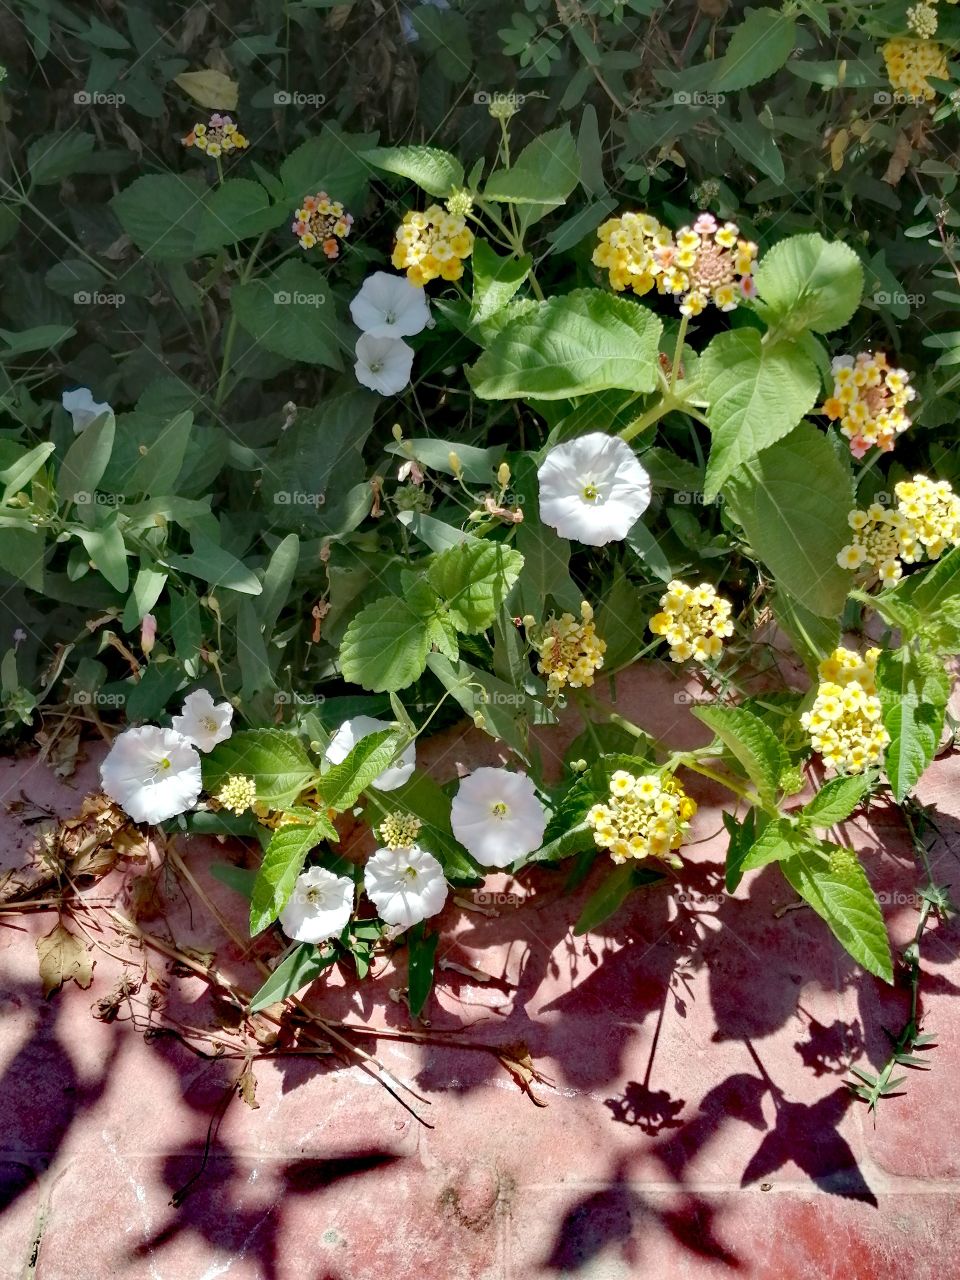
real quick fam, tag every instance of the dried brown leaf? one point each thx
(247, 1086)
(64, 956)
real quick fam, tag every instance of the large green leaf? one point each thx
(384, 648)
(757, 394)
(914, 689)
(752, 742)
(846, 901)
(332, 161)
(837, 799)
(291, 312)
(216, 566)
(162, 214)
(544, 173)
(237, 210)
(792, 501)
(293, 975)
(761, 44)
(807, 282)
(779, 839)
(341, 785)
(473, 579)
(434, 171)
(86, 460)
(582, 342)
(283, 862)
(274, 759)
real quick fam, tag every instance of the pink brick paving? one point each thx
(697, 1123)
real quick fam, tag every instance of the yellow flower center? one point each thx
(499, 810)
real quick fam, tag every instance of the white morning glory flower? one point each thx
(497, 817)
(82, 407)
(389, 306)
(319, 907)
(383, 364)
(203, 721)
(593, 489)
(153, 774)
(405, 885)
(350, 733)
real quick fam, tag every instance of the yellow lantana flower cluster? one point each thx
(923, 20)
(432, 243)
(644, 816)
(869, 399)
(238, 793)
(399, 830)
(694, 621)
(217, 137)
(569, 651)
(703, 263)
(909, 62)
(923, 525)
(844, 722)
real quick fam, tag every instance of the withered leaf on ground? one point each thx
(247, 1086)
(64, 956)
(517, 1060)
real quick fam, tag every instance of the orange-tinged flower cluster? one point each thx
(845, 723)
(643, 816)
(909, 62)
(703, 263)
(570, 651)
(217, 137)
(694, 621)
(869, 398)
(924, 524)
(431, 244)
(322, 221)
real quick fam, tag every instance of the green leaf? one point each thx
(434, 171)
(846, 901)
(837, 799)
(546, 556)
(291, 313)
(156, 471)
(216, 566)
(583, 342)
(234, 211)
(56, 156)
(342, 784)
(273, 758)
(495, 280)
(757, 394)
(477, 465)
(914, 689)
(611, 895)
(779, 839)
(932, 589)
(752, 742)
(473, 580)
(21, 555)
(86, 460)
(759, 47)
(43, 337)
(384, 648)
(792, 501)
(105, 547)
(282, 864)
(332, 161)
(807, 282)
(741, 839)
(544, 173)
(20, 472)
(422, 951)
(162, 214)
(293, 975)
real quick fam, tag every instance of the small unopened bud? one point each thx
(454, 463)
(578, 766)
(586, 611)
(503, 475)
(528, 620)
(397, 432)
(479, 720)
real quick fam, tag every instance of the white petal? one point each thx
(496, 841)
(135, 776)
(82, 407)
(350, 733)
(389, 306)
(610, 465)
(405, 885)
(199, 712)
(308, 920)
(383, 364)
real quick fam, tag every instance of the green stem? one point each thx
(666, 404)
(678, 353)
(231, 333)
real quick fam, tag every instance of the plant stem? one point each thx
(678, 353)
(231, 333)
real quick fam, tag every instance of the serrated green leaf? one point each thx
(810, 283)
(434, 171)
(837, 799)
(756, 395)
(275, 759)
(162, 213)
(779, 839)
(759, 47)
(544, 173)
(583, 342)
(495, 280)
(473, 580)
(282, 864)
(342, 784)
(291, 313)
(914, 690)
(384, 648)
(752, 742)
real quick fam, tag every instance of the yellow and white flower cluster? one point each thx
(869, 398)
(216, 138)
(570, 651)
(701, 264)
(923, 19)
(909, 62)
(644, 816)
(694, 621)
(322, 221)
(844, 723)
(399, 830)
(923, 525)
(432, 243)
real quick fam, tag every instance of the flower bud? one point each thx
(503, 475)
(454, 463)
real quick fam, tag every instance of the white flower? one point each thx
(350, 733)
(383, 364)
(319, 907)
(405, 885)
(82, 407)
(593, 489)
(153, 774)
(203, 721)
(497, 817)
(389, 306)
